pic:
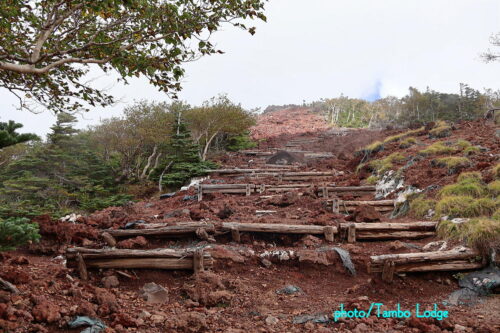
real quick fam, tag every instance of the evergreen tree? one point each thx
(184, 159)
(9, 136)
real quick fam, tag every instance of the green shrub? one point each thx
(480, 233)
(240, 142)
(16, 232)
(419, 207)
(437, 148)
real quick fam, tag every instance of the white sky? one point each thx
(311, 49)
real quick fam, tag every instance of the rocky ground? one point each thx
(242, 292)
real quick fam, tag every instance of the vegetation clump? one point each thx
(372, 148)
(496, 171)
(463, 144)
(468, 183)
(440, 130)
(385, 164)
(471, 150)
(16, 232)
(420, 206)
(408, 142)
(494, 187)
(437, 148)
(480, 233)
(452, 163)
(372, 180)
(403, 135)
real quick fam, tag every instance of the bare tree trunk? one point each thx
(160, 187)
(148, 164)
(154, 166)
(207, 145)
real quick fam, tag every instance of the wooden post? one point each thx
(325, 192)
(200, 192)
(109, 239)
(235, 233)
(280, 178)
(198, 261)
(329, 233)
(388, 271)
(351, 233)
(335, 205)
(82, 268)
(248, 190)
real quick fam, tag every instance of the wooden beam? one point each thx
(329, 232)
(110, 240)
(425, 256)
(351, 233)
(276, 228)
(82, 268)
(86, 253)
(388, 271)
(198, 261)
(164, 231)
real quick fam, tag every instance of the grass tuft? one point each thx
(408, 142)
(494, 188)
(471, 150)
(496, 170)
(385, 164)
(372, 180)
(463, 144)
(452, 163)
(419, 207)
(480, 233)
(437, 148)
(440, 130)
(472, 176)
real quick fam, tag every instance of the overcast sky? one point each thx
(310, 49)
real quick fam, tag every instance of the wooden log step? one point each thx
(351, 189)
(241, 171)
(392, 226)
(71, 253)
(156, 230)
(146, 263)
(451, 260)
(455, 254)
(276, 228)
(368, 203)
(366, 235)
(225, 186)
(349, 209)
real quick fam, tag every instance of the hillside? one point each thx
(283, 245)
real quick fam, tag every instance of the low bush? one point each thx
(16, 232)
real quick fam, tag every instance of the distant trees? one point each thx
(47, 46)
(217, 117)
(416, 107)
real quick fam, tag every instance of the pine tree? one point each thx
(184, 158)
(9, 136)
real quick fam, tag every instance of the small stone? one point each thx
(154, 294)
(459, 328)
(110, 281)
(266, 263)
(157, 319)
(271, 320)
